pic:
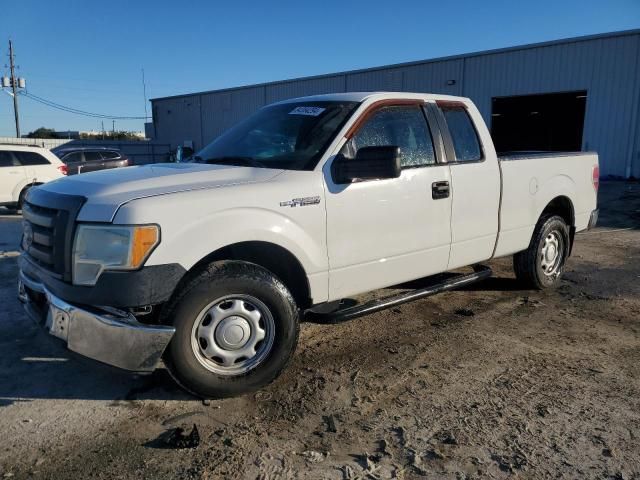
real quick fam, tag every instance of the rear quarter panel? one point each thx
(530, 184)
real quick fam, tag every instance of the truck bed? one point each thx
(530, 180)
(536, 154)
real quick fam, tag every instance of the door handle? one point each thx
(440, 190)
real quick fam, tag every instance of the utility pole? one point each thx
(113, 129)
(14, 87)
(103, 129)
(144, 94)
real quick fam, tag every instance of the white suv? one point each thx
(22, 167)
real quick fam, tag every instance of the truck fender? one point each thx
(239, 225)
(556, 187)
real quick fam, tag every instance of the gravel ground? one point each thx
(489, 382)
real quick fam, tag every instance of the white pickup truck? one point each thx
(210, 265)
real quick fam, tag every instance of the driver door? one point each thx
(384, 232)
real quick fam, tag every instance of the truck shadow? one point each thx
(491, 284)
(35, 366)
(619, 204)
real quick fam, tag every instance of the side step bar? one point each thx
(480, 272)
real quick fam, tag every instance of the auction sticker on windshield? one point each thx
(311, 111)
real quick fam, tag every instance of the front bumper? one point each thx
(104, 334)
(150, 285)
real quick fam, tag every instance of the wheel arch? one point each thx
(21, 189)
(563, 207)
(275, 258)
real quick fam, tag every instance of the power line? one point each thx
(76, 111)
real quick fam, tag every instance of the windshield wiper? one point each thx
(238, 161)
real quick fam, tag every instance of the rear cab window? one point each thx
(464, 136)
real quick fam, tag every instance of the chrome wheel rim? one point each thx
(551, 254)
(233, 335)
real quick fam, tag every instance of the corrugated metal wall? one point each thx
(607, 66)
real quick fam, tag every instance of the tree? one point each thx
(42, 132)
(109, 135)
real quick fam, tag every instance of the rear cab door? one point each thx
(475, 182)
(12, 177)
(388, 231)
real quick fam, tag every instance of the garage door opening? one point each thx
(547, 122)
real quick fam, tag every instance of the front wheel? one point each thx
(236, 328)
(540, 266)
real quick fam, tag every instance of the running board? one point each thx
(480, 272)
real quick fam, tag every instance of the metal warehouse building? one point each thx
(575, 94)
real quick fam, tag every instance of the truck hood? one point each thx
(107, 190)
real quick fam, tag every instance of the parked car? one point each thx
(22, 167)
(211, 265)
(85, 159)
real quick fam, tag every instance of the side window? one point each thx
(403, 126)
(463, 134)
(31, 158)
(8, 160)
(110, 155)
(92, 156)
(74, 157)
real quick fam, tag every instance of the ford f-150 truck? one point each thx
(210, 265)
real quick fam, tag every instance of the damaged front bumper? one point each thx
(104, 334)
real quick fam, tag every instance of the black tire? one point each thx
(21, 197)
(528, 264)
(220, 280)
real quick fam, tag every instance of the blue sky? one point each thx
(89, 55)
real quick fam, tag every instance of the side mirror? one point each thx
(370, 163)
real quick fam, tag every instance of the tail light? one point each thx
(63, 169)
(595, 177)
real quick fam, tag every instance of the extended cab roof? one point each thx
(362, 96)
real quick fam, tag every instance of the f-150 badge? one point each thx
(301, 202)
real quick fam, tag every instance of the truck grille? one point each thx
(48, 228)
(39, 230)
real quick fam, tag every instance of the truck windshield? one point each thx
(291, 136)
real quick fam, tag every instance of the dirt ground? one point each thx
(489, 382)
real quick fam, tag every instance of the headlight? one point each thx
(110, 247)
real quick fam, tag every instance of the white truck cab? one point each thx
(210, 265)
(23, 166)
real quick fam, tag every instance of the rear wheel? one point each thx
(541, 265)
(236, 329)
